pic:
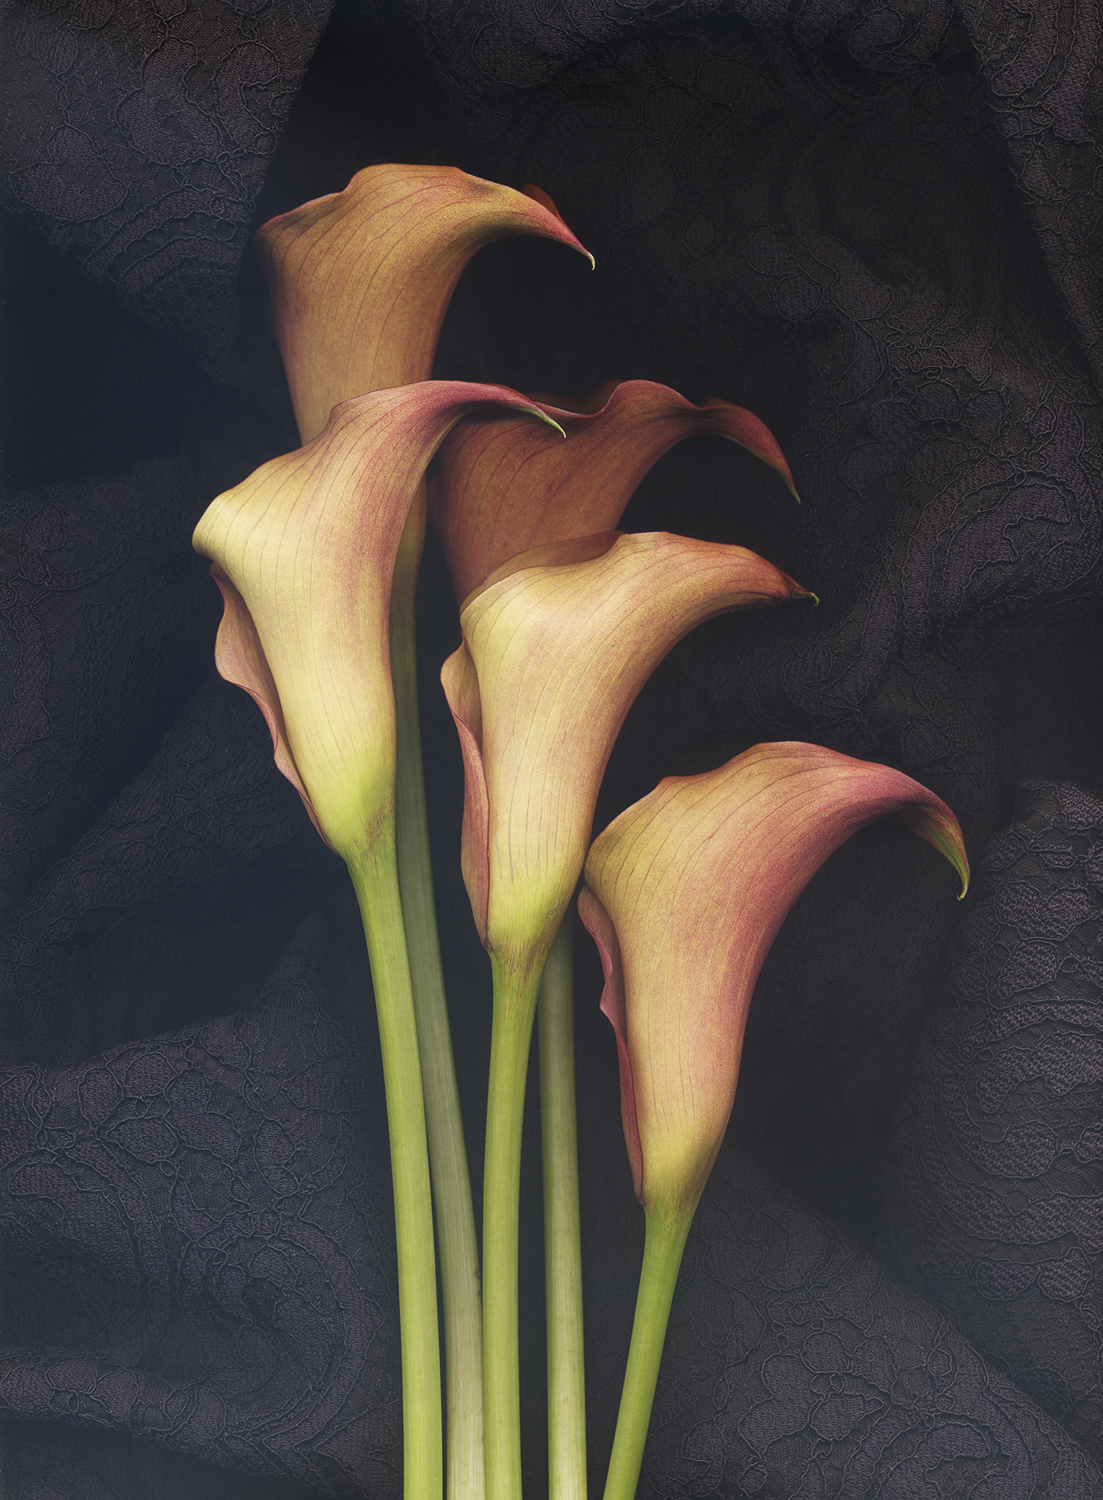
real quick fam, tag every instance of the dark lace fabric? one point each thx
(875, 224)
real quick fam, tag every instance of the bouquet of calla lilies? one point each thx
(563, 618)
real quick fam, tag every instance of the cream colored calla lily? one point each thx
(360, 280)
(556, 646)
(684, 894)
(507, 487)
(304, 552)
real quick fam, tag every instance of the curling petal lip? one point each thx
(360, 280)
(538, 195)
(304, 552)
(556, 646)
(684, 894)
(508, 488)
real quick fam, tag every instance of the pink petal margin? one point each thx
(613, 1005)
(461, 687)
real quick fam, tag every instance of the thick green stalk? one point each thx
(562, 1227)
(375, 878)
(455, 1214)
(665, 1239)
(514, 1007)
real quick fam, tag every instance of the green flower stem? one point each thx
(375, 878)
(455, 1214)
(665, 1239)
(514, 1008)
(562, 1227)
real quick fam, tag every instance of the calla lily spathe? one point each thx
(505, 487)
(557, 644)
(684, 894)
(360, 280)
(304, 552)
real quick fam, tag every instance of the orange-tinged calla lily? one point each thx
(304, 552)
(360, 280)
(684, 894)
(557, 644)
(507, 487)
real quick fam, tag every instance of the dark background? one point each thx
(875, 224)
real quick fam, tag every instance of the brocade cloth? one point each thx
(875, 223)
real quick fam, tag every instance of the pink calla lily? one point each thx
(304, 552)
(557, 644)
(507, 487)
(360, 280)
(684, 894)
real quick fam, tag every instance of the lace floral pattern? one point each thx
(876, 225)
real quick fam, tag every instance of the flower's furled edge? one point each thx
(360, 280)
(556, 646)
(684, 894)
(506, 489)
(304, 552)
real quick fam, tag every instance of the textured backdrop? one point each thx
(876, 223)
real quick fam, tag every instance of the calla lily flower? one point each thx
(684, 894)
(304, 553)
(557, 644)
(505, 488)
(360, 280)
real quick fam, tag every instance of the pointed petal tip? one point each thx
(546, 418)
(753, 434)
(936, 824)
(953, 848)
(949, 844)
(545, 200)
(797, 590)
(934, 821)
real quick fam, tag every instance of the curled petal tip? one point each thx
(547, 419)
(305, 551)
(750, 431)
(694, 882)
(937, 825)
(360, 279)
(505, 488)
(558, 641)
(545, 200)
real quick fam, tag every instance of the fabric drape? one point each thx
(875, 225)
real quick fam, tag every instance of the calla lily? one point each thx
(684, 894)
(557, 644)
(505, 488)
(304, 553)
(494, 498)
(360, 280)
